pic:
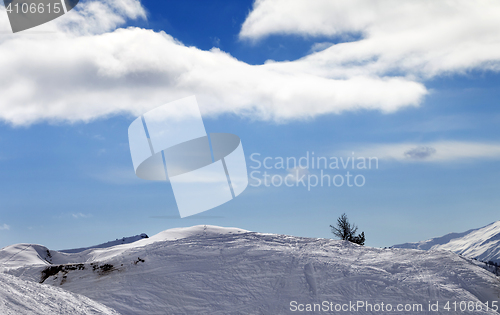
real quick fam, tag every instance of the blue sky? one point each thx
(67, 177)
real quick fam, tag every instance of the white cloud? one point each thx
(80, 215)
(82, 68)
(321, 46)
(4, 227)
(422, 38)
(440, 151)
(297, 173)
(117, 176)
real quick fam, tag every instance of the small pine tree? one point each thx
(347, 231)
(344, 229)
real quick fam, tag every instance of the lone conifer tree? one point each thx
(347, 231)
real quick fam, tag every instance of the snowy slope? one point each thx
(24, 254)
(213, 270)
(18, 297)
(31, 254)
(124, 240)
(482, 244)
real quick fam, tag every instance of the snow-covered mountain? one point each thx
(123, 240)
(214, 270)
(19, 296)
(482, 244)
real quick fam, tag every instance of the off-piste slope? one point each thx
(482, 244)
(213, 270)
(18, 297)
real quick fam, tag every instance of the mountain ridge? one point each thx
(482, 243)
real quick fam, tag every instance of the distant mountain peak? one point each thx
(482, 244)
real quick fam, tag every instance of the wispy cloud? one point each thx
(297, 173)
(72, 215)
(4, 227)
(118, 176)
(441, 151)
(80, 215)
